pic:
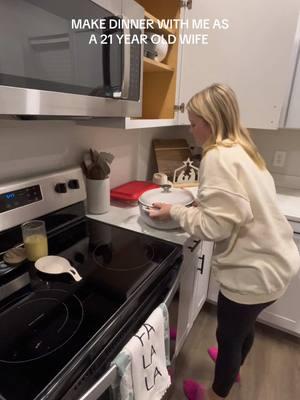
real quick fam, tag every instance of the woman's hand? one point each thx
(160, 211)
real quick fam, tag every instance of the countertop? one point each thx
(129, 216)
(289, 203)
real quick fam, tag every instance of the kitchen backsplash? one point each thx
(287, 140)
(31, 147)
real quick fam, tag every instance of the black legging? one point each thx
(235, 336)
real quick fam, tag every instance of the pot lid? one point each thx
(166, 195)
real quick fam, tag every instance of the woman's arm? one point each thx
(216, 215)
(213, 219)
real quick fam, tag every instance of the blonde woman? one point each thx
(255, 256)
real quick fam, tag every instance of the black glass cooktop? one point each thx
(51, 322)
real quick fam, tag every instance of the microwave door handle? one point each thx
(124, 93)
(115, 92)
(106, 67)
(126, 64)
(101, 385)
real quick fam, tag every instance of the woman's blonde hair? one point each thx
(218, 106)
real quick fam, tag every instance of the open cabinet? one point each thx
(245, 50)
(159, 79)
(250, 54)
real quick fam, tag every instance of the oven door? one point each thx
(101, 388)
(66, 58)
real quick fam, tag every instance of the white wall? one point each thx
(287, 140)
(32, 147)
(269, 141)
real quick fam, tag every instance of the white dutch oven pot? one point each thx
(164, 194)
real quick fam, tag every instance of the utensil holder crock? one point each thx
(98, 195)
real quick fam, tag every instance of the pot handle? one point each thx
(166, 188)
(72, 271)
(147, 208)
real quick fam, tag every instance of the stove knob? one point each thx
(61, 188)
(73, 184)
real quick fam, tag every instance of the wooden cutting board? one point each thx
(170, 154)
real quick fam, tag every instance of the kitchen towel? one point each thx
(142, 363)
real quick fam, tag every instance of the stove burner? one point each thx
(123, 258)
(35, 327)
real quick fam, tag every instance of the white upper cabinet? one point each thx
(291, 114)
(252, 56)
(255, 56)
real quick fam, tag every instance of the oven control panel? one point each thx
(33, 197)
(19, 198)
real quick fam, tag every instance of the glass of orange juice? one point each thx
(35, 239)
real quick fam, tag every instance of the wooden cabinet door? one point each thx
(252, 55)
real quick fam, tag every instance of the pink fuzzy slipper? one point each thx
(213, 353)
(173, 333)
(193, 390)
(171, 373)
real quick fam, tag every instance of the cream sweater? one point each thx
(255, 255)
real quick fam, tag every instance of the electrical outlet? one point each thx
(279, 159)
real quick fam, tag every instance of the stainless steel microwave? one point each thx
(55, 61)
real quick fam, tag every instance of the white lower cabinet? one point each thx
(194, 285)
(284, 314)
(213, 289)
(198, 285)
(201, 280)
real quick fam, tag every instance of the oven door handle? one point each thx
(110, 376)
(173, 290)
(101, 385)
